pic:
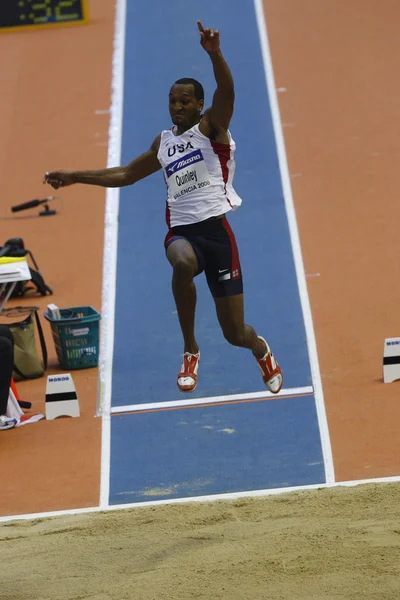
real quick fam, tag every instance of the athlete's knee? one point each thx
(235, 336)
(183, 268)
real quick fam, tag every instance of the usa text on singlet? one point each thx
(199, 174)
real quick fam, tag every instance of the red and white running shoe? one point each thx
(271, 371)
(187, 378)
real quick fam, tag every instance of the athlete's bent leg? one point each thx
(230, 312)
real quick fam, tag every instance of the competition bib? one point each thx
(187, 174)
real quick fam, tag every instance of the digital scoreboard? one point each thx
(18, 15)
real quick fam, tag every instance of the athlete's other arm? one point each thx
(139, 168)
(219, 115)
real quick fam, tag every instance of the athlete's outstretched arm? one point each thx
(139, 168)
(221, 111)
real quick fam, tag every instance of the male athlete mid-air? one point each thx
(197, 158)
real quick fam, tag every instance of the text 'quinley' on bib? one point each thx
(61, 397)
(391, 360)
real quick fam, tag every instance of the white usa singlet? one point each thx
(199, 174)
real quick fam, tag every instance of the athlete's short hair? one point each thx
(198, 88)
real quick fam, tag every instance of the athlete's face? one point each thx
(184, 109)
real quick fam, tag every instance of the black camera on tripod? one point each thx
(32, 203)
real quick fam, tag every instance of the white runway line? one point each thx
(211, 498)
(294, 235)
(110, 250)
(284, 393)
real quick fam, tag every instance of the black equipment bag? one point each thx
(14, 247)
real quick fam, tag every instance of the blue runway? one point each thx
(274, 443)
(227, 448)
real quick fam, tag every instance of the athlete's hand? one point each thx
(59, 179)
(209, 38)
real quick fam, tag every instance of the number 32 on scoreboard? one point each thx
(18, 15)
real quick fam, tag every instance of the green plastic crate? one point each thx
(76, 337)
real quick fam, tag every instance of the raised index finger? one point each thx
(200, 26)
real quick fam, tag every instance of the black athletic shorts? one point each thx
(216, 251)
